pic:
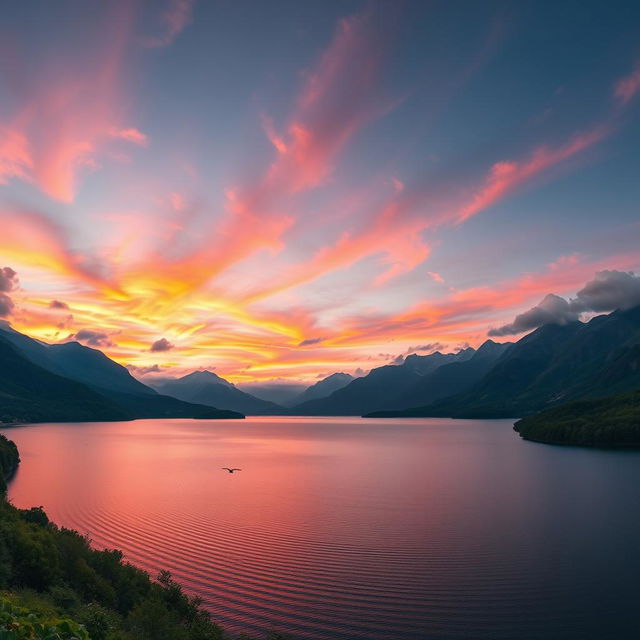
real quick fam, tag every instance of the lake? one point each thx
(346, 528)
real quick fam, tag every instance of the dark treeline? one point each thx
(611, 421)
(54, 585)
(9, 460)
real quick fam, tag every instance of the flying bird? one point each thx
(231, 470)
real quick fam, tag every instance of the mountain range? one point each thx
(382, 388)
(71, 382)
(206, 387)
(323, 388)
(550, 366)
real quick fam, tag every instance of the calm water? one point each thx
(346, 529)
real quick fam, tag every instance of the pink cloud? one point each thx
(395, 231)
(15, 156)
(340, 95)
(132, 135)
(506, 176)
(470, 311)
(66, 118)
(626, 88)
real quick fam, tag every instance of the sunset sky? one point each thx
(283, 189)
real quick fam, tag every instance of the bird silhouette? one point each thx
(231, 470)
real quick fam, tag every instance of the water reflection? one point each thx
(344, 528)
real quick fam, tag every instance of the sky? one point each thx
(280, 190)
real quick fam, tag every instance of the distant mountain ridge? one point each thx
(549, 366)
(77, 362)
(91, 385)
(208, 388)
(29, 393)
(454, 377)
(325, 387)
(381, 387)
(281, 393)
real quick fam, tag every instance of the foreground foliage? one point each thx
(611, 421)
(17, 623)
(9, 460)
(54, 573)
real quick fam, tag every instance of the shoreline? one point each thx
(41, 583)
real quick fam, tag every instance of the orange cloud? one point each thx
(467, 312)
(338, 98)
(156, 266)
(31, 239)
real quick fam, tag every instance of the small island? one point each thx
(613, 421)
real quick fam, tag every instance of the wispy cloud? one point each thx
(174, 19)
(322, 248)
(130, 135)
(627, 87)
(340, 95)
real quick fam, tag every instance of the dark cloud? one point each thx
(143, 371)
(398, 359)
(8, 282)
(56, 304)
(609, 290)
(161, 345)
(359, 372)
(310, 341)
(6, 305)
(430, 347)
(8, 279)
(552, 310)
(92, 338)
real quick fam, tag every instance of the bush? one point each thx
(17, 623)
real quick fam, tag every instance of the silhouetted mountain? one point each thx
(381, 387)
(75, 361)
(449, 379)
(281, 393)
(205, 387)
(605, 422)
(98, 373)
(163, 406)
(324, 387)
(29, 393)
(552, 365)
